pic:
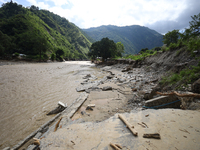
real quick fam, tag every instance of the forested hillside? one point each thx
(134, 38)
(33, 32)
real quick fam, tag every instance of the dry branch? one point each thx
(128, 125)
(57, 124)
(36, 141)
(115, 146)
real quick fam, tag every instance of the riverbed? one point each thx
(28, 91)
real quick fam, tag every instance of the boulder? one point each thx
(196, 86)
(121, 80)
(163, 102)
(110, 77)
(87, 76)
(127, 69)
(106, 88)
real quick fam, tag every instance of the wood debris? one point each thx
(128, 125)
(144, 125)
(116, 146)
(57, 124)
(36, 141)
(152, 135)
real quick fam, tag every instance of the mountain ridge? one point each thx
(25, 28)
(133, 37)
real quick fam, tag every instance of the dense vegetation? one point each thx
(106, 48)
(39, 34)
(189, 41)
(134, 38)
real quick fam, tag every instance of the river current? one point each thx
(29, 91)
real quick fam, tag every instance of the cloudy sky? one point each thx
(160, 15)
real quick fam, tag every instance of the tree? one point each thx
(105, 48)
(171, 37)
(195, 25)
(59, 54)
(120, 49)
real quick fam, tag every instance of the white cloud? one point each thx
(92, 13)
(59, 2)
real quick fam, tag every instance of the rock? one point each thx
(146, 95)
(110, 77)
(82, 112)
(163, 102)
(130, 72)
(32, 147)
(38, 135)
(89, 108)
(194, 106)
(87, 76)
(121, 80)
(196, 86)
(106, 88)
(44, 129)
(6, 148)
(127, 69)
(93, 88)
(86, 86)
(134, 89)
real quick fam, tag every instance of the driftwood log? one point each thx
(180, 95)
(128, 125)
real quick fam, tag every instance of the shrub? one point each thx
(16, 54)
(53, 56)
(172, 46)
(193, 44)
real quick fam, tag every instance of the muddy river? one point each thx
(29, 91)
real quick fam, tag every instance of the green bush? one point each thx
(16, 54)
(193, 44)
(173, 46)
(53, 56)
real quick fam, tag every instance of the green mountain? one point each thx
(33, 32)
(134, 38)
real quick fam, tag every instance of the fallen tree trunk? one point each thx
(180, 95)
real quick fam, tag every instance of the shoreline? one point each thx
(125, 99)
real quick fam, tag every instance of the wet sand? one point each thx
(29, 90)
(95, 129)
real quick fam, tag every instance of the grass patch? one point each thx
(141, 56)
(186, 76)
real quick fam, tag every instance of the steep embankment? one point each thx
(175, 69)
(134, 38)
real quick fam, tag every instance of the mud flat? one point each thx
(123, 92)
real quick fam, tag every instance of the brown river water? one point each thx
(28, 91)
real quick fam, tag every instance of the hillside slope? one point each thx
(26, 28)
(133, 37)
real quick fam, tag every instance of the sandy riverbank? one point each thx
(95, 129)
(113, 91)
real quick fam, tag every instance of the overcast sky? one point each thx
(160, 15)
